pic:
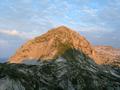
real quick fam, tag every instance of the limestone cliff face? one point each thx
(108, 55)
(52, 44)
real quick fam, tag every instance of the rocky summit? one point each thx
(51, 45)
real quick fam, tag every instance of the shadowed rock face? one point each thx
(73, 70)
(51, 45)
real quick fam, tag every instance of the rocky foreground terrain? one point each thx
(73, 70)
(61, 59)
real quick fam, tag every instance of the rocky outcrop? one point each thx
(52, 44)
(73, 70)
(108, 55)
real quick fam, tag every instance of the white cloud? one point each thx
(21, 34)
(10, 32)
(16, 33)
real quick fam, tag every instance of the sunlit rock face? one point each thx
(52, 44)
(108, 55)
(73, 70)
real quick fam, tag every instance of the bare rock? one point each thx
(52, 44)
(108, 55)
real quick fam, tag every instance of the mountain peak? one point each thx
(63, 30)
(62, 27)
(52, 44)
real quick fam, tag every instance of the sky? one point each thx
(22, 20)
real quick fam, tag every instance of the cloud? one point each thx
(10, 32)
(93, 29)
(90, 11)
(16, 33)
(110, 14)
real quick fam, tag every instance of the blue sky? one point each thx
(21, 20)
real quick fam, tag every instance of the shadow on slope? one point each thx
(72, 71)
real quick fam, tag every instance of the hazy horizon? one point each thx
(21, 20)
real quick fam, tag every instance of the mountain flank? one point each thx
(52, 44)
(57, 41)
(108, 55)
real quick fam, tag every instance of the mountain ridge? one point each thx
(56, 41)
(108, 55)
(52, 44)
